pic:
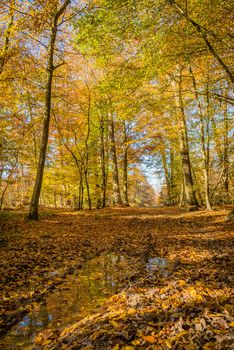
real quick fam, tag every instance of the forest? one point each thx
(116, 174)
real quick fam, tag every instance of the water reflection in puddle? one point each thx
(157, 265)
(76, 298)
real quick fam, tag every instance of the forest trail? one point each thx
(126, 107)
(190, 298)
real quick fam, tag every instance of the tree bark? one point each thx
(33, 210)
(191, 201)
(87, 155)
(166, 173)
(205, 148)
(103, 159)
(117, 200)
(225, 152)
(81, 193)
(4, 53)
(172, 176)
(125, 167)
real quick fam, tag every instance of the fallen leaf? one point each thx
(149, 338)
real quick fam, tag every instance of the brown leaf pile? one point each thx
(186, 306)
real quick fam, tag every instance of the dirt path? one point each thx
(198, 249)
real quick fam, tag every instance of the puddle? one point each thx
(77, 297)
(157, 265)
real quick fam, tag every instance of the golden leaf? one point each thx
(39, 339)
(131, 311)
(168, 344)
(149, 338)
(114, 324)
(192, 291)
(182, 283)
(179, 335)
(208, 346)
(116, 347)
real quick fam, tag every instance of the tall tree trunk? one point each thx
(166, 173)
(5, 49)
(182, 200)
(1, 163)
(87, 155)
(173, 184)
(87, 188)
(9, 177)
(79, 164)
(205, 148)
(198, 191)
(225, 152)
(81, 193)
(33, 210)
(103, 159)
(117, 200)
(125, 167)
(191, 201)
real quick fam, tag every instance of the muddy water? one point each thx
(76, 298)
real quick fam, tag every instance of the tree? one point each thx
(4, 54)
(204, 33)
(188, 183)
(55, 16)
(117, 200)
(129, 87)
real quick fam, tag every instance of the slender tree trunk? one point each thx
(87, 188)
(81, 194)
(125, 167)
(198, 191)
(33, 210)
(34, 137)
(79, 165)
(166, 173)
(191, 201)
(172, 176)
(1, 164)
(225, 153)
(117, 200)
(182, 201)
(5, 49)
(205, 150)
(98, 190)
(3, 59)
(9, 177)
(103, 159)
(87, 155)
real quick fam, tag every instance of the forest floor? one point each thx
(184, 302)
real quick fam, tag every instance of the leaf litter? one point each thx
(179, 297)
